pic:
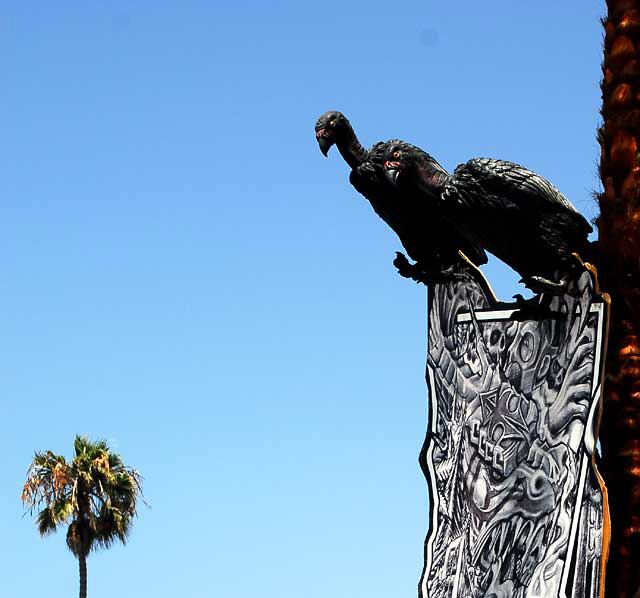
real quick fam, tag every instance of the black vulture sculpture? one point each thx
(426, 237)
(502, 207)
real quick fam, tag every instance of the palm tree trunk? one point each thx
(619, 242)
(82, 560)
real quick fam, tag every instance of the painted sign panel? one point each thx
(517, 507)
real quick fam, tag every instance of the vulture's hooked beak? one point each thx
(392, 171)
(325, 141)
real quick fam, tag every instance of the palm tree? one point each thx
(96, 493)
(619, 241)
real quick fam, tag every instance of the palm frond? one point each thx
(48, 478)
(80, 537)
(46, 521)
(80, 445)
(53, 515)
(112, 525)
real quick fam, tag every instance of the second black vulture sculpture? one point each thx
(504, 208)
(414, 218)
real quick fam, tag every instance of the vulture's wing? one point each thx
(517, 185)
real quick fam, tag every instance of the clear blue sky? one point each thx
(185, 275)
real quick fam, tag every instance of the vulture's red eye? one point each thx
(396, 154)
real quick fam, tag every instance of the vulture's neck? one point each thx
(351, 150)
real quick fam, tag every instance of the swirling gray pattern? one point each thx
(516, 507)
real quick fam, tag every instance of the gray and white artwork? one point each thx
(517, 509)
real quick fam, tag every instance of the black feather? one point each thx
(517, 215)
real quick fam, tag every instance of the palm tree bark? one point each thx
(619, 242)
(82, 560)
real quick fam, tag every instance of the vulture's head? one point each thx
(407, 165)
(331, 127)
(398, 162)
